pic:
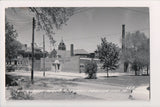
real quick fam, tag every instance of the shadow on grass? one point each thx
(108, 76)
(78, 79)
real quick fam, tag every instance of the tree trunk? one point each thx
(107, 73)
(147, 70)
(135, 69)
(135, 72)
(125, 66)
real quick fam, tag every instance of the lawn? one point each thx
(68, 87)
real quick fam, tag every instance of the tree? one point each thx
(53, 54)
(49, 19)
(91, 69)
(109, 55)
(137, 51)
(11, 44)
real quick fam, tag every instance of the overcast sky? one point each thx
(85, 28)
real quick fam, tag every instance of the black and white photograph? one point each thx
(77, 53)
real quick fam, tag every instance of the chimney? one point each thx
(123, 47)
(72, 50)
(123, 38)
(25, 45)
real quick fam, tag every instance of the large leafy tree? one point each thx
(137, 51)
(109, 55)
(49, 19)
(11, 44)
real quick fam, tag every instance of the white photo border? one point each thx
(154, 8)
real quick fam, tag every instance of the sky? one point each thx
(86, 28)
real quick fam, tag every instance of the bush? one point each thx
(11, 81)
(91, 69)
(17, 93)
(20, 95)
(10, 68)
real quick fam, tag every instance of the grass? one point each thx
(61, 96)
(41, 83)
(49, 83)
(118, 80)
(20, 95)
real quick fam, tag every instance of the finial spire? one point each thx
(62, 38)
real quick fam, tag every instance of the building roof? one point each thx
(80, 51)
(67, 53)
(29, 49)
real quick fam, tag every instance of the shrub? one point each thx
(11, 81)
(17, 93)
(10, 68)
(20, 95)
(91, 69)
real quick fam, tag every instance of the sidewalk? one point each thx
(64, 75)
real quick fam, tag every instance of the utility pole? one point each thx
(43, 55)
(124, 47)
(123, 38)
(32, 70)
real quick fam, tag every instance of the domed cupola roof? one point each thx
(62, 45)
